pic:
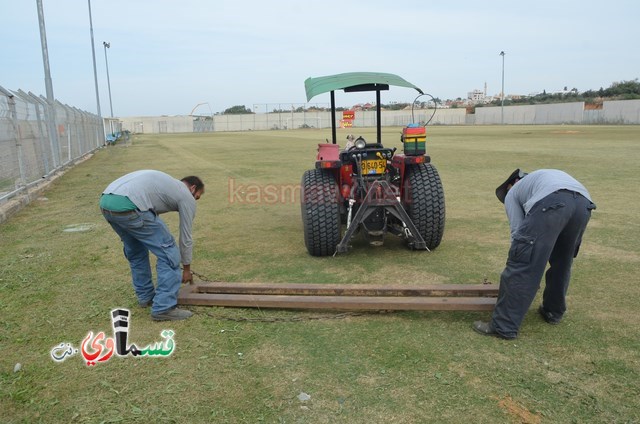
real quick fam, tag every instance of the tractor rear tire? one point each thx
(424, 200)
(320, 212)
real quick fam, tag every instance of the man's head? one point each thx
(503, 189)
(195, 186)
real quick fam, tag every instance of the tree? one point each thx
(623, 88)
(237, 110)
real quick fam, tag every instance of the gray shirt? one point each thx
(159, 192)
(533, 188)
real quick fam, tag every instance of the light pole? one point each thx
(106, 46)
(93, 52)
(502, 94)
(51, 101)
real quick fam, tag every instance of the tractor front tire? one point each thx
(424, 200)
(320, 212)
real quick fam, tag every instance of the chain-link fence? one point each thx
(37, 140)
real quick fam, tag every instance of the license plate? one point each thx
(376, 166)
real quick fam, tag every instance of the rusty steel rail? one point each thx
(434, 297)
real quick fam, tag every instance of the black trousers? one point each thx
(550, 233)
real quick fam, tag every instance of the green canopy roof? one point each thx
(319, 85)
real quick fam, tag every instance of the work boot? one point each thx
(146, 303)
(487, 329)
(174, 314)
(548, 316)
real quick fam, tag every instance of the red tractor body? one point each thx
(367, 187)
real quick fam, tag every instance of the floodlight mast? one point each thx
(106, 61)
(95, 71)
(51, 109)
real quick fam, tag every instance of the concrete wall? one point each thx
(157, 124)
(274, 121)
(622, 111)
(548, 114)
(613, 112)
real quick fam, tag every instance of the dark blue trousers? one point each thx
(550, 233)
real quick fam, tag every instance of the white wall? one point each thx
(612, 112)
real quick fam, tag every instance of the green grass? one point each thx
(246, 365)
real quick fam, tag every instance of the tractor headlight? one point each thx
(360, 143)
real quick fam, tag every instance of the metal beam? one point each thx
(437, 297)
(349, 289)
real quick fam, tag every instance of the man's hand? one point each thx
(187, 275)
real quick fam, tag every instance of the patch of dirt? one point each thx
(594, 106)
(522, 414)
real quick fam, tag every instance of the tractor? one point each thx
(368, 188)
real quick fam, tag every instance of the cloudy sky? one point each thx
(168, 57)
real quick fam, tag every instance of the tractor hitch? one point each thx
(382, 195)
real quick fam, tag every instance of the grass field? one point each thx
(246, 365)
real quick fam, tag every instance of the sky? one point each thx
(175, 57)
